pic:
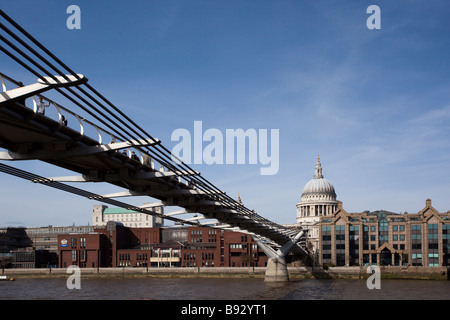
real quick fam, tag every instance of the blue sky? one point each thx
(373, 103)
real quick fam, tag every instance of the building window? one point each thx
(433, 245)
(74, 242)
(82, 255)
(340, 259)
(340, 245)
(383, 229)
(340, 237)
(432, 236)
(82, 242)
(446, 244)
(326, 244)
(416, 244)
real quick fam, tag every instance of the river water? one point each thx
(220, 289)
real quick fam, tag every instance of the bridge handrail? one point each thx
(58, 108)
(3, 77)
(3, 83)
(83, 122)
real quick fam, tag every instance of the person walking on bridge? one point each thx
(41, 106)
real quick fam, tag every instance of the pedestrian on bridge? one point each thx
(41, 106)
(135, 157)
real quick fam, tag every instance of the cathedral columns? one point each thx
(316, 210)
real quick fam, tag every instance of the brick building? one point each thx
(118, 246)
(218, 248)
(84, 250)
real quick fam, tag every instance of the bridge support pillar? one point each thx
(276, 271)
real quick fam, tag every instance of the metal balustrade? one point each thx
(84, 124)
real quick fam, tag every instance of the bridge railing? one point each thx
(84, 127)
(9, 83)
(58, 113)
(70, 119)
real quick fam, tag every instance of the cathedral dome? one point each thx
(318, 187)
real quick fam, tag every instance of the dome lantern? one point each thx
(318, 174)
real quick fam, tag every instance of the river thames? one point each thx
(238, 289)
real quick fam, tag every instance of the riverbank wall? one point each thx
(415, 273)
(425, 273)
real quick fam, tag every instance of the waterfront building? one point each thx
(84, 250)
(31, 258)
(101, 214)
(209, 247)
(46, 238)
(12, 238)
(33, 247)
(116, 245)
(318, 199)
(385, 238)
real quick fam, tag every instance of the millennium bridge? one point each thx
(99, 143)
